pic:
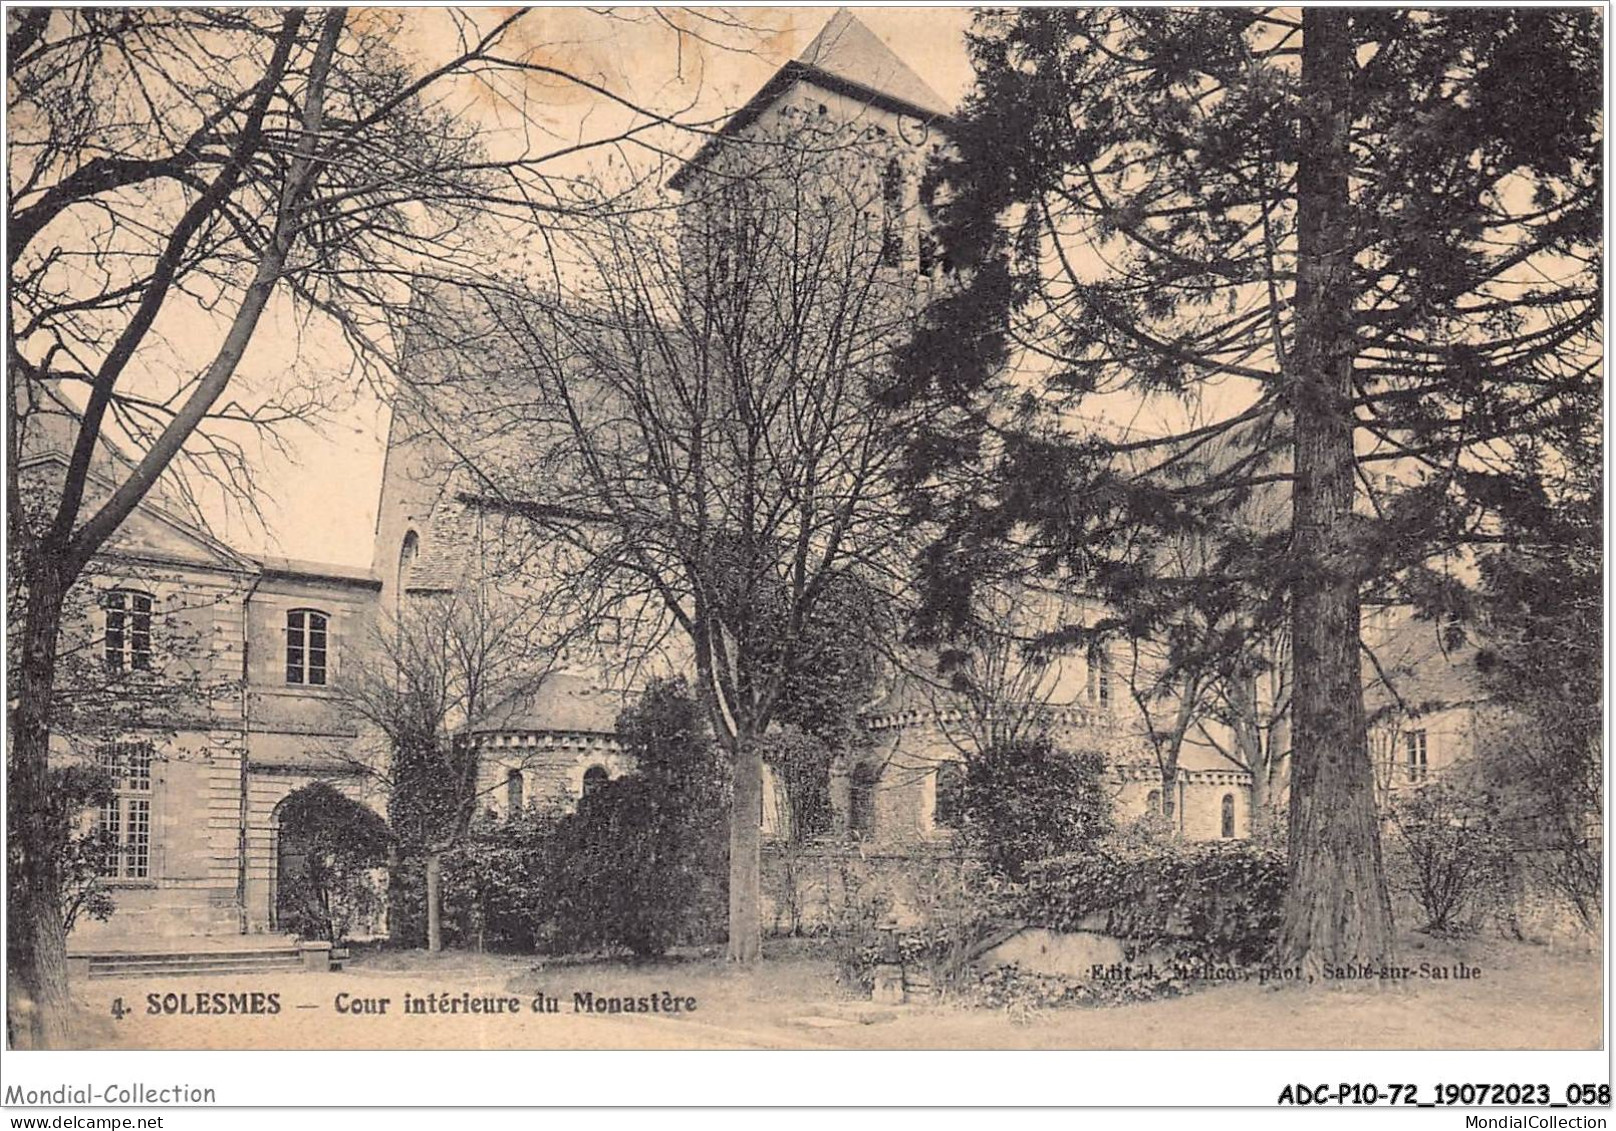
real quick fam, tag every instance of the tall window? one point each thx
(1099, 675)
(513, 792)
(594, 778)
(892, 214)
(949, 805)
(128, 630)
(1415, 751)
(306, 647)
(861, 800)
(126, 818)
(1228, 815)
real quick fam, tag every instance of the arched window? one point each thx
(306, 644)
(407, 553)
(594, 778)
(1153, 801)
(513, 792)
(1228, 815)
(128, 630)
(948, 808)
(861, 800)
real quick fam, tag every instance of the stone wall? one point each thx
(811, 887)
(276, 706)
(192, 885)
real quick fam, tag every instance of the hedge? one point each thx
(1215, 900)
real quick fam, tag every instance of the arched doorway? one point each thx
(327, 849)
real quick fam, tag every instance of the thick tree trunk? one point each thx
(746, 853)
(1336, 909)
(434, 901)
(36, 942)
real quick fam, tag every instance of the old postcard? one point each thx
(807, 529)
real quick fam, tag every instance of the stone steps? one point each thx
(279, 960)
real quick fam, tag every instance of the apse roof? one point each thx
(563, 702)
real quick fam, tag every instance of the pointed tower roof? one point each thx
(847, 50)
(847, 58)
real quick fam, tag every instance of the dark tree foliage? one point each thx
(1541, 610)
(834, 662)
(1351, 254)
(641, 863)
(1030, 800)
(338, 842)
(432, 779)
(801, 764)
(83, 852)
(431, 802)
(495, 883)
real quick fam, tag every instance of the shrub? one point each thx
(642, 862)
(1218, 901)
(859, 927)
(1023, 994)
(1448, 856)
(494, 881)
(82, 853)
(1028, 800)
(328, 899)
(343, 842)
(955, 904)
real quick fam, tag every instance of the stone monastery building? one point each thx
(196, 814)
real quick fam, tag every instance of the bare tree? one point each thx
(997, 680)
(698, 414)
(443, 671)
(447, 665)
(1252, 701)
(1169, 699)
(1198, 669)
(176, 176)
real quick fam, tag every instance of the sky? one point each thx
(321, 490)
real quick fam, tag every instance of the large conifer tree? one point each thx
(1353, 253)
